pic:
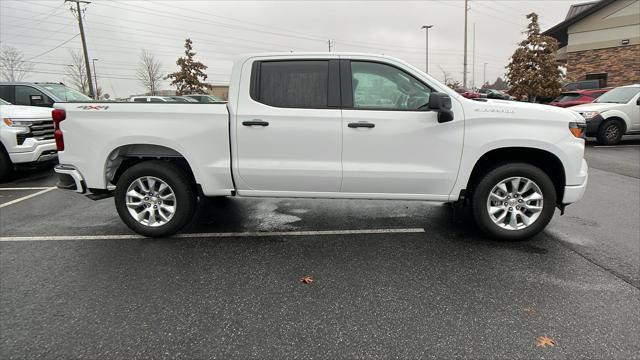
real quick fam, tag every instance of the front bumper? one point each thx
(69, 178)
(573, 193)
(593, 125)
(36, 153)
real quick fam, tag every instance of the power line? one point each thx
(56, 47)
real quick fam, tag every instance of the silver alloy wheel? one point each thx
(515, 203)
(612, 132)
(151, 201)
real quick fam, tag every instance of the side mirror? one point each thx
(441, 103)
(638, 101)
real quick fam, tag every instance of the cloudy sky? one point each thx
(46, 31)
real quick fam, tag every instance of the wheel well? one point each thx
(621, 120)
(546, 161)
(124, 157)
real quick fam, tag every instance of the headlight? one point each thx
(590, 114)
(23, 125)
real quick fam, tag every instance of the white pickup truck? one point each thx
(26, 137)
(326, 125)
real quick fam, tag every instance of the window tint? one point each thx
(139, 99)
(380, 86)
(294, 84)
(6, 93)
(156, 100)
(23, 96)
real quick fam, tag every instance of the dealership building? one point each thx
(600, 40)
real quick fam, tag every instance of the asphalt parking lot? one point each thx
(391, 279)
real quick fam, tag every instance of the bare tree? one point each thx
(77, 73)
(148, 72)
(13, 66)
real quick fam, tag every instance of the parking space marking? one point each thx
(614, 146)
(46, 190)
(25, 188)
(215, 235)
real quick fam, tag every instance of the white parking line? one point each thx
(24, 188)
(614, 146)
(46, 190)
(215, 235)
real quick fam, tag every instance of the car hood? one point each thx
(24, 112)
(525, 109)
(597, 107)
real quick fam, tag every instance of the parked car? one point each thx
(292, 128)
(578, 97)
(183, 99)
(469, 94)
(39, 94)
(153, 99)
(205, 98)
(26, 137)
(613, 114)
(494, 94)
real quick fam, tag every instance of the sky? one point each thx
(117, 31)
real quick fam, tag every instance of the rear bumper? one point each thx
(69, 178)
(573, 193)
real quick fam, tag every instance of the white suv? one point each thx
(613, 114)
(153, 99)
(26, 136)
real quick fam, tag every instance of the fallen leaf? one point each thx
(308, 279)
(543, 341)
(530, 311)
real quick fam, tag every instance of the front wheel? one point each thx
(610, 132)
(155, 198)
(513, 201)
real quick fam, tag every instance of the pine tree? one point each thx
(187, 78)
(533, 70)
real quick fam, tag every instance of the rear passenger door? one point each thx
(288, 126)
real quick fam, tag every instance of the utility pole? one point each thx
(464, 74)
(330, 43)
(84, 43)
(473, 61)
(427, 27)
(484, 79)
(95, 76)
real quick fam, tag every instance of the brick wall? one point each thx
(621, 63)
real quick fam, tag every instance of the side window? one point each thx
(156, 100)
(139, 99)
(24, 97)
(383, 87)
(293, 84)
(6, 93)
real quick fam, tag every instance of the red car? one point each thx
(577, 97)
(468, 93)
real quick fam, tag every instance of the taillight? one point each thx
(577, 128)
(58, 116)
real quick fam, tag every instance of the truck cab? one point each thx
(39, 94)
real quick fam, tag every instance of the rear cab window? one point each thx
(294, 83)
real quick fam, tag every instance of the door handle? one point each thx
(361, 125)
(255, 123)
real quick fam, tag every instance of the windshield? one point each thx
(2, 102)
(567, 97)
(65, 93)
(621, 95)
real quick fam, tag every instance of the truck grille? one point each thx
(39, 130)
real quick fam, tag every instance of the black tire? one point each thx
(172, 175)
(6, 166)
(610, 132)
(482, 190)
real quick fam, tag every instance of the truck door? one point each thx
(391, 144)
(288, 126)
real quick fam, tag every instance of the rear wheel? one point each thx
(513, 201)
(155, 198)
(610, 132)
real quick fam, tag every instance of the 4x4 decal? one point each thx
(93, 107)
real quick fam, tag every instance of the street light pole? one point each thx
(484, 79)
(427, 27)
(95, 75)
